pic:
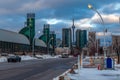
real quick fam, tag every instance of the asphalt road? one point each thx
(35, 69)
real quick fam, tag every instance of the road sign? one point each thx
(104, 48)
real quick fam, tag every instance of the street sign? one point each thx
(104, 48)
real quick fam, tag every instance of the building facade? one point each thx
(92, 36)
(12, 42)
(92, 43)
(15, 43)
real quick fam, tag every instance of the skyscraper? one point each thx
(46, 32)
(81, 38)
(66, 37)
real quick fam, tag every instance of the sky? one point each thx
(59, 14)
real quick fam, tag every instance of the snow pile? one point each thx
(27, 57)
(3, 59)
(86, 60)
(57, 56)
(46, 56)
(39, 56)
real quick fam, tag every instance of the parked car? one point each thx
(14, 59)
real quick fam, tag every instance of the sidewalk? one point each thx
(94, 74)
(91, 72)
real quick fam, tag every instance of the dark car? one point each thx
(14, 59)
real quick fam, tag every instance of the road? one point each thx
(35, 69)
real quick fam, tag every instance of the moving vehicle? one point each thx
(14, 59)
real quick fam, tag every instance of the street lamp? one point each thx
(48, 44)
(33, 44)
(91, 7)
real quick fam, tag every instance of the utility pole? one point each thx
(105, 30)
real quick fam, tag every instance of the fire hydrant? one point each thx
(99, 67)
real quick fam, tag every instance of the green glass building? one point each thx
(66, 37)
(81, 38)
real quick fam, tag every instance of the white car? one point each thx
(65, 55)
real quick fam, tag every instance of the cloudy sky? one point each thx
(59, 14)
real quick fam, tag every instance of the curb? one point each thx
(64, 75)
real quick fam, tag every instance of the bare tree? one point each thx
(117, 48)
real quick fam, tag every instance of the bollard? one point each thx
(72, 71)
(75, 66)
(61, 78)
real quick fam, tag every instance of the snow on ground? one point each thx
(47, 56)
(3, 59)
(117, 65)
(28, 57)
(94, 74)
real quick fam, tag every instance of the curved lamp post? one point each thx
(48, 44)
(91, 7)
(33, 44)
